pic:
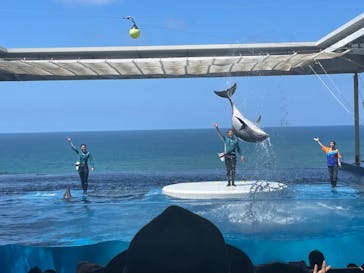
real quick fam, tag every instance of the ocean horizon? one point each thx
(173, 129)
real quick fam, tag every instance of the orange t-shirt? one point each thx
(332, 156)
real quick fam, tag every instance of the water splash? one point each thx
(264, 160)
(266, 186)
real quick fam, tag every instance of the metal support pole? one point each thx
(356, 120)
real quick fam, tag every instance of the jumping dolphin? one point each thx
(242, 127)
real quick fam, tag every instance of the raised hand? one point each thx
(323, 269)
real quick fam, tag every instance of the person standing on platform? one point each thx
(83, 169)
(231, 149)
(333, 159)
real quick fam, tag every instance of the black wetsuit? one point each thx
(230, 163)
(83, 173)
(83, 169)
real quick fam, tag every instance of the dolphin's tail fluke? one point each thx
(227, 93)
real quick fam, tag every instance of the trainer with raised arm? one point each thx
(83, 169)
(333, 157)
(231, 149)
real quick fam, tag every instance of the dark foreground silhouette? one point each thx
(179, 241)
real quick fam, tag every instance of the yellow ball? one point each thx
(134, 33)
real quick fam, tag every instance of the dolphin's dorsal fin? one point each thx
(227, 93)
(243, 124)
(258, 120)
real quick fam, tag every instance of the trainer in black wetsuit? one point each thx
(83, 166)
(231, 148)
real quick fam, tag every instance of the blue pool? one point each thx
(39, 228)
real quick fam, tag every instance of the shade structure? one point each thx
(341, 51)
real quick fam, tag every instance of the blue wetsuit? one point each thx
(83, 170)
(231, 146)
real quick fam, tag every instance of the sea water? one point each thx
(37, 227)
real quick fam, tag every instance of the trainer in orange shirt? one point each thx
(333, 159)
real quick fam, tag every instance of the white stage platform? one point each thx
(219, 190)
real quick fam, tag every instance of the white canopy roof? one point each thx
(342, 51)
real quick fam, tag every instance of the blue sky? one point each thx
(170, 103)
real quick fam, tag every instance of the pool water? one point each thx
(278, 226)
